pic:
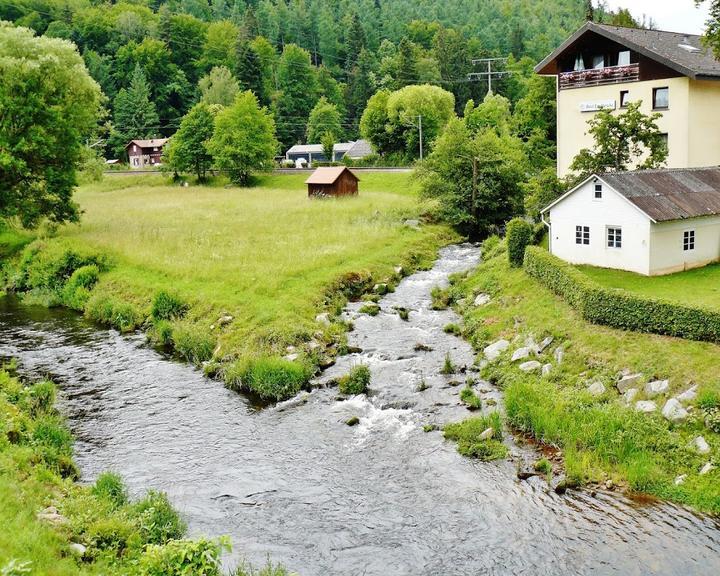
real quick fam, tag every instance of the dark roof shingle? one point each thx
(693, 60)
(675, 194)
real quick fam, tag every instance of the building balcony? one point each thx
(600, 76)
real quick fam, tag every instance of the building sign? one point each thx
(597, 105)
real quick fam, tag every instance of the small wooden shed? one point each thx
(332, 181)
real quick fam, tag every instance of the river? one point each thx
(383, 498)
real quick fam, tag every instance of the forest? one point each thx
(155, 59)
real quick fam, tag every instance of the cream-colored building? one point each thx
(648, 221)
(605, 67)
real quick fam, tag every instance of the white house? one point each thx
(651, 222)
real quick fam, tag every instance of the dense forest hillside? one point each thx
(154, 59)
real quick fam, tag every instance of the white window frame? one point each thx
(689, 240)
(617, 237)
(582, 233)
(597, 188)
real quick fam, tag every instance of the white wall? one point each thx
(582, 209)
(666, 241)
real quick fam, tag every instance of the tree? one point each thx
(589, 11)
(328, 144)
(360, 86)
(243, 139)
(219, 87)
(622, 141)
(188, 150)
(475, 178)
(712, 29)
(219, 47)
(451, 52)
(492, 113)
(297, 94)
(407, 65)
(48, 105)
(540, 190)
(248, 70)
(135, 114)
(324, 118)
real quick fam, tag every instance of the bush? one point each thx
(112, 312)
(356, 382)
(620, 309)
(269, 569)
(183, 558)
(42, 397)
(270, 377)
(111, 533)
(110, 486)
(192, 342)
(166, 306)
(157, 520)
(519, 235)
(76, 291)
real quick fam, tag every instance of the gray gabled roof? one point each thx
(360, 149)
(693, 60)
(663, 195)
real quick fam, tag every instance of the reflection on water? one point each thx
(382, 498)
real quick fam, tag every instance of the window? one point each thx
(582, 235)
(614, 237)
(598, 62)
(598, 190)
(661, 98)
(624, 98)
(624, 58)
(689, 240)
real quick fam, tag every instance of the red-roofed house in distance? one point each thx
(145, 153)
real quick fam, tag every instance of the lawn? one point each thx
(265, 255)
(697, 287)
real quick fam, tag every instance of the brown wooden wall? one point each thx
(345, 185)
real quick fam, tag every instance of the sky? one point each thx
(672, 15)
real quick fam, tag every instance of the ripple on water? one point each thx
(382, 498)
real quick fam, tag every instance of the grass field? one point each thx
(600, 438)
(697, 287)
(266, 255)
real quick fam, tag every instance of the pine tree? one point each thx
(589, 11)
(135, 114)
(406, 64)
(297, 95)
(360, 87)
(248, 70)
(355, 41)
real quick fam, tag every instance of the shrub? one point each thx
(110, 533)
(192, 342)
(356, 382)
(453, 329)
(269, 377)
(519, 235)
(183, 558)
(467, 435)
(166, 306)
(441, 298)
(157, 520)
(269, 569)
(620, 309)
(76, 291)
(42, 397)
(161, 333)
(112, 312)
(543, 466)
(370, 309)
(110, 486)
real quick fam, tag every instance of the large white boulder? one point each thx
(627, 382)
(493, 351)
(701, 445)
(530, 366)
(674, 411)
(629, 395)
(482, 299)
(689, 395)
(656, 388)
(520, 354)
(596, 388)
(645, 406)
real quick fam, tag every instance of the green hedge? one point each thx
(519, 235)
(617, 308)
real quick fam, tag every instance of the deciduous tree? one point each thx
(324, 118)
(219, 87)
(188, 149)
(49, 104)
(243, 139)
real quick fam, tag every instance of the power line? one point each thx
(489, 74)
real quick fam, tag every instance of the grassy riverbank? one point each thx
(253, 267)
(601, 438)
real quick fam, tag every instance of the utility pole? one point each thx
(421, 142)
(490, 73)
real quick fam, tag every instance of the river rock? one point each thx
(559, 484)
(399, 270)
(482, 299)
(680, 479)
(323, 318)
(78, 549)
(626, 382)
(674, 411)
(700, 445)
(559, 354)
(521, 353)
(487, 434)
(645, 406)
(414, 224)
(352, 421)
(707, 468)
(291, 357)
(596, 389)
(656, 388)
(380, 288)
(51, 515)
(530, 366)
(629, 395)
(546, 369)
(493, 351)
(544, 344)
(689, 395)
(225, 319)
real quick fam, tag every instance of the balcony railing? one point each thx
(599, 76)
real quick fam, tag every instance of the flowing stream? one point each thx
(383, 498)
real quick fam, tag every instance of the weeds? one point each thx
(271, 378)
(371, 309)
(448, 366)
(470, 399)
(167, 306)
(468, 435)
(356, 382)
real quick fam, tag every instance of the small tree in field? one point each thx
(49, 105)
(519, 235)
(243, 139)
(328, 144)
(622, 141)
(323, 118)
(188, 151)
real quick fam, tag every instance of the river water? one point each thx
(382, 498)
